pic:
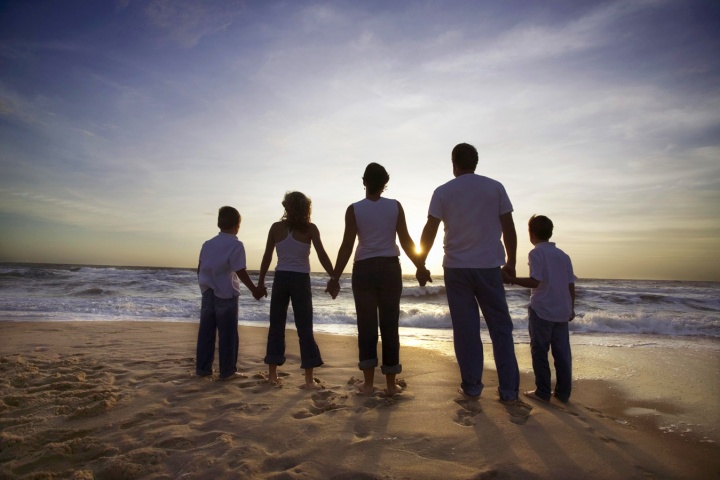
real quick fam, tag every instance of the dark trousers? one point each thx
(377, 287)
(544, 336)
(221, 315)
(469, 292)
(295, 287)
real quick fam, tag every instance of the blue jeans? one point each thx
(295, 287)
(466, 288)
(219, 314)
(546, 335)
(377, 287)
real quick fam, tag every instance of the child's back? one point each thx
(552, 267)
(220, 258)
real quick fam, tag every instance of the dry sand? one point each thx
(119, 400)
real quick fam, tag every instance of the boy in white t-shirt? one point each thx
(552, 306)
(220, 269)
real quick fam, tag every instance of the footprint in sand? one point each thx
(322, 401)
(466, 415)
(601, 414)
(519, 412)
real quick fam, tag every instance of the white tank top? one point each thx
(376, 227)
(293, 256)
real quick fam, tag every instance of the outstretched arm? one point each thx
(321, 253)
(333, 286)
(427, 238)
(406, 242)
(510, 241)
(257, 293)
(347, 244)
(267, 256)
(527, 282)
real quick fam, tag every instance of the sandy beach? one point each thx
(119, 400)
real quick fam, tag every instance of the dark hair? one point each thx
(297, 210)
(228, 218)
(541, 227)
(465, 157)
(375, 177)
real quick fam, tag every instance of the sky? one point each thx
(125, 125)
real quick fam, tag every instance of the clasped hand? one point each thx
(333, 288)
(260, 292)
(423, 276)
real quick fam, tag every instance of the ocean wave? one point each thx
(90, 292)
(426, 291)
(604, 306)
(654, 324)
(32, 274)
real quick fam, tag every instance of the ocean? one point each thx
(635, 313)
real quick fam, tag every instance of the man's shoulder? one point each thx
(469, 178)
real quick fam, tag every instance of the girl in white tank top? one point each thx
(292, 237)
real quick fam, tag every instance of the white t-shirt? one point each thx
(220, 258)
(376, 228)
(553, 269)
(470, 207)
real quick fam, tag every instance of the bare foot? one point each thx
(273, 378)
(366, 389)
(309, 386)
(391, 392)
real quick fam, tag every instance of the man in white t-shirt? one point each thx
(476, 213)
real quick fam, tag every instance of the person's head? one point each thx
(464, 158)
(298, 208)
(540, 228)
(375, 178)
(228, 219)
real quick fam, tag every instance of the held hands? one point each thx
(333, 288)
(423, 276)
(260, 292)
(507, 278)
(508, 272)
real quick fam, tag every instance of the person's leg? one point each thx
(309, 379)
(367, 387)
(272, 374)
(491, 297)
(391, 387)
(540, 337)
(563, 360)
(205, 352)
(366, 306)
(389, 293)
(279, 301)
(466, 329)
(226, 312)
(301, 297)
